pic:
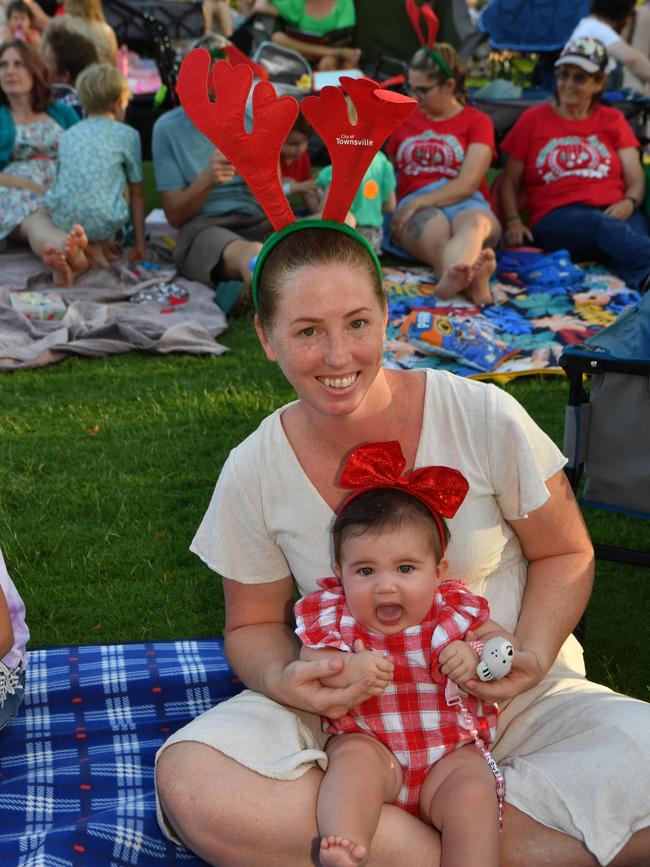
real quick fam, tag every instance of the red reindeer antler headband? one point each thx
(256, 154)
(433, 24)
(381, 465)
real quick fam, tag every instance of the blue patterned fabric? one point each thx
(76, 764)
(531, 25)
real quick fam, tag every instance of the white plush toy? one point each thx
(496, 659)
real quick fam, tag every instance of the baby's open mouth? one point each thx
(389, 613)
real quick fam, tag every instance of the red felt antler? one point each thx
(414, 12)
(352, 146)
(433, 24)
(256, 154)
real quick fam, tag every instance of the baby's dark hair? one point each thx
(382, 509)
(21, 7)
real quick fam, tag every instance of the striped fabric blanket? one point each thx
(76, 764)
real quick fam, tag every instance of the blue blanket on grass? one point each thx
(76, 764)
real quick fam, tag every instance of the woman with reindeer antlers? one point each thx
(442, 154)
(238, 785)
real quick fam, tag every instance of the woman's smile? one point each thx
(339, 382)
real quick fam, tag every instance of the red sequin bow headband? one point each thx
(381, 465)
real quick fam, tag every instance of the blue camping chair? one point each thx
(606, 430)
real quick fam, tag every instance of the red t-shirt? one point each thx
(569, 161)
(425, 151)
(298, 170)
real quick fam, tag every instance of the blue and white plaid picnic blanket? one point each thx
(76, 764)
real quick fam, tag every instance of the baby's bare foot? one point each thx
(341, 852)
(482, 270)
(61, 271)
(76, 243)
(454, 281)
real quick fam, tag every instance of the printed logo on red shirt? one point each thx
(429, 152)
(573, 156)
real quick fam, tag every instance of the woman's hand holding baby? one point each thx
(527, 671)
(330, 682)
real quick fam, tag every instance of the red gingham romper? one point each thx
(411, 717)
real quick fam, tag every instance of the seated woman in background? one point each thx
(442, 154)
(31, 127)
(87, 17)
(578, 165)
(317, 21)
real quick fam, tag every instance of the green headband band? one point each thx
(440, 63)
(311, 223)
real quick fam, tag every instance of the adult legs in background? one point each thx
(454, 250)
(63, 252)
(471, 231)
(588, 233)
(217, 11)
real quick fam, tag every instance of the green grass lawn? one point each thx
(107, 466)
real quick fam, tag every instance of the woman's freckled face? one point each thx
(328, 336)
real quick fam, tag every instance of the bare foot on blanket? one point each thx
(341, 852)
(76, 243)
(454, 281)
(61, 272)
(482, 270)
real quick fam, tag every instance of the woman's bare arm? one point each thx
(560, 557)
(264, 652)
(510, 183)
(22, 183)
(634, 181)
(634, 60)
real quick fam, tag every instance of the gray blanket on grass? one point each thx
(101, 318)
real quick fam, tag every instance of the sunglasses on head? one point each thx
(576, 77)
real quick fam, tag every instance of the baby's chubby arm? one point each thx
(362, 665)
(458, 660)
